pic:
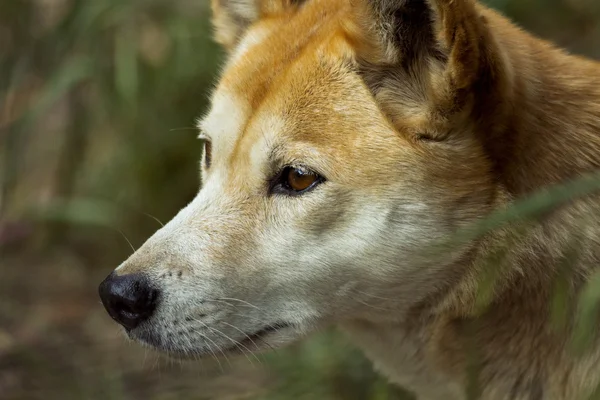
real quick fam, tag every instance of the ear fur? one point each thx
(231, 18)
(452, 31)
(444, 46)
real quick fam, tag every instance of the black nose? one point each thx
(129, 299)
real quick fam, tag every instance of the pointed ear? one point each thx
(441, 47)
(231, 18)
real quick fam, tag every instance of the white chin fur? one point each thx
(239, 345)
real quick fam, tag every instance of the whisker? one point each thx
(210, 340)
(255, 319)
(235, 342)
(249, 338)
(125, 237)
(154, 218)
(158, 368)
(372, 306)
(145, 357)
(157, 361)
(195, 355)
(241, 301)
(224, 302)
(240, 331)
(275, 329)
(185, 128)
(211, 350)
(267, 344)
(375, 297)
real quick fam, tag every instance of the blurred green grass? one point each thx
(97, 107)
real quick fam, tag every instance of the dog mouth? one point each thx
(258, 340)
(263, 340)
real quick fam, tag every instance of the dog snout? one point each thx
(129, 299)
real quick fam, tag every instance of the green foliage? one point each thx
(113, 88)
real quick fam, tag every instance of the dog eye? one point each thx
(300, 180)
(207, 154)
(295, 180)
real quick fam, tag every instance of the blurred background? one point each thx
(97, 145)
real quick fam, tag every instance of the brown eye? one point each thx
(207, 154)
(299, 180)
(294, 181)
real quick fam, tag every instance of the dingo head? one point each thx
(345, 138)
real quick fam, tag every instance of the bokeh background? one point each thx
(97, 145)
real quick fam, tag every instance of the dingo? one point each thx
(345, 138)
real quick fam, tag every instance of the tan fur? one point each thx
(422, 125)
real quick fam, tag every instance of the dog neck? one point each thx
(496, 322)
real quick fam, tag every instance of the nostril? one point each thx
(128, 299)
(135, 300)
(128, 307)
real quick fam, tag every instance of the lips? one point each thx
(268, 330)
(257, 341)
(256, 338)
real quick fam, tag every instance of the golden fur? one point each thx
(424, 116)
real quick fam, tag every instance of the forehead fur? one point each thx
(318, 35)
(281, 41)
(265, 54)
(297, 69)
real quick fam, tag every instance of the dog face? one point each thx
(335, 156)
